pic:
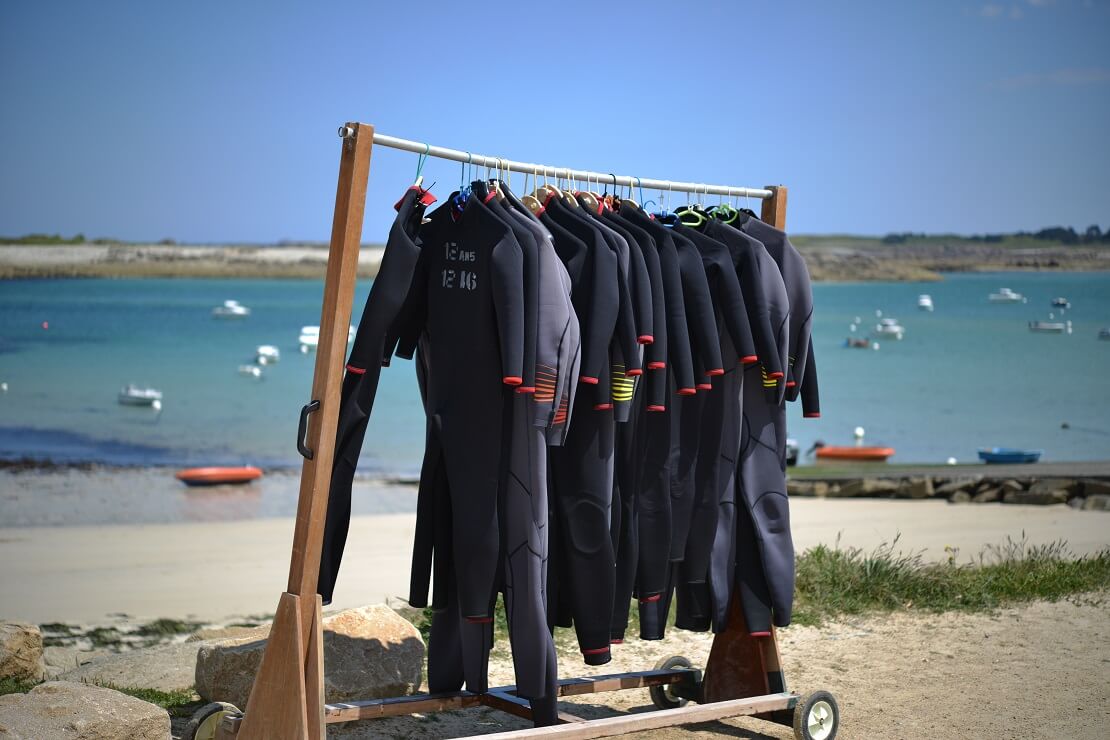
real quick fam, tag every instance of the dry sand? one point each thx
(215, 571)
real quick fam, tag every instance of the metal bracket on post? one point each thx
(302, 429)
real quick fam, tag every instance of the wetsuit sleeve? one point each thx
(678, 334)
(600, 315)
(656, 354)
(759, 315)
(735, 314)
(508, 296)
(626, 325)
(531, 272)
(641, 294)
(811, 405)
(405, 331)
(699, 309)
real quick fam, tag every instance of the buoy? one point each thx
(875, 345)
(878, 314)
(46, 325)
(852, 327)
(156, 405)
(3, 387)
(951, 461)
(859, 432)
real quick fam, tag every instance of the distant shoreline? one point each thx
(830, 259)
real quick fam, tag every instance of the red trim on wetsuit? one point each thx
(705, 386)
(634, 372)
(656, 365)
(479, 620)
(749, 359)
(651, 599)
(776, 375)
(603, 407)
(356, 370)
(616, 642)
(490, 196)
(512, 380)
(760, 634)
(687, 391)
(595, 651)
(426, 197)
(812, 415)
(645, 339)
(715, 371)
(526, 389)
(587, 380)
(655, 407)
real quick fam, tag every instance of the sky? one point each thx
(216, 121)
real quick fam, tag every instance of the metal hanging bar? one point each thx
(482, 160)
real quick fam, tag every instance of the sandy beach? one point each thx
(215, 571)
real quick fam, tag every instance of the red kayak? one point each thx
(218, 476)
(861, 454)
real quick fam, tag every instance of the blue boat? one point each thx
(1009, 455)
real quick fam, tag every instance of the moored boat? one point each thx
(858, 454)
(267, 354)
(1050, 327)
(999, 455)
(133, 395)
(925, 302)
(890, 328)
(1061, 303)
(1104, 334)
(216, 476)
(231, 309)
(310, 337)
(1005, 295)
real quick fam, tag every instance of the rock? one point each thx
(987, 496)
(807, 488)
(1050, 485)
(1037, 498)
(61, 659)
(225, 633)
(369, 652)
(1011, 485)
(865, 487)
(163, 667)
(1076, 502)
(958, 484)
(21, 652)
(1093, 487)
(915, 488)
(1097, 502)
(959, 497)
(77, 711)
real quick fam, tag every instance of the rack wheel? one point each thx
(206, 719)
(661, 696)
(816, 717)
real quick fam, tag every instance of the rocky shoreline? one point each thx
(1086, 493)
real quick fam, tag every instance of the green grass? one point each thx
(16, 686)
(177, 703)
(834, 581)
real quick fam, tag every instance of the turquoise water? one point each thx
(968, 375)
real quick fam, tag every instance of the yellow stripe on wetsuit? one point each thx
(622, 386)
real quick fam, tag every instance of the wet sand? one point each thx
(215, 571)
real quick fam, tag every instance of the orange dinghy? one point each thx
(218, 476)
(859, 454)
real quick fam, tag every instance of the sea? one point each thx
(970, 374)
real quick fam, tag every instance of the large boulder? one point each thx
(1097, 502)
(987, 496)
(1037, 498)
(966, 483)
(865, 487)
(1095, 487)
(1011, 484)
(959, 497)
(807, 488)
(60, 659)
(77, 711)
(369, 652)
(915, 488)
(1051, 485)
(163, 667)
(21, 652)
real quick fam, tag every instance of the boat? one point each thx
(267, 354)
(860, 343)
(1104, 334)
(253, 371)
(1061, 303)
(890, 328)
(857, 454)
(1050, 327)
(133, 395)
(1009, 455)
(1005, 295)
(230, 310)
(310, 337)
(216, 476)
(925, 302)
(791, 451)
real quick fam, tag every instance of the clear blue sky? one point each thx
(209, 121)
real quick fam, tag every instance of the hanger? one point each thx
(543, 192)
(568, 195)
(458, 200)
(725, 212)
(531, 201)
(628, 202)
(588, 198)
(693, 216)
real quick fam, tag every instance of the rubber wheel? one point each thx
(661, 696)
(205, 720)
(816, 717)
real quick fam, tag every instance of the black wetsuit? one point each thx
(360, 384)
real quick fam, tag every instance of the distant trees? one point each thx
(1057, 234)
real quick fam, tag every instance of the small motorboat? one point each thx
(1010, 455)
(1061, 303)
(1005, 295)
(860, 343)
(310, 337)
(857, 454)
(1050, 327)
(133, 395)
(253, 371)
(925, 302)
(230, 310)
(267, 354)
(1104, 334)
(218, 476)
(890, 328)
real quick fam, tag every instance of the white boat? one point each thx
(253, 371)
(133, 395)
(230, 310)
(925, 302)
(1005, 295)
(310, 337)
(1061, 303)
(1050, 327)
(890, 328)
(267, 354)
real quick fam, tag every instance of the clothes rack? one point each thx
(743, 675)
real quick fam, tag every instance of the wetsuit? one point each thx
(360, 384)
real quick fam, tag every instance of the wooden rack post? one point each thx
(743, 675)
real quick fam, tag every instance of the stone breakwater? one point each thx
(1089, 494)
